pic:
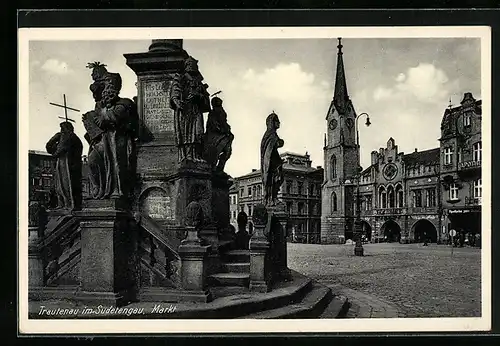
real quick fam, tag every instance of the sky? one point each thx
(404, 84)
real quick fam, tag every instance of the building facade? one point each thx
(42, 166)
(404, 197)
(301, 193)
(461, 157)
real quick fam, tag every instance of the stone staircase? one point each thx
(305, 299)
(235, 270)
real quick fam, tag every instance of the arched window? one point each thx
(399, 196)
(390, 196)
(333, 166)
(382, 198)
(334, 202)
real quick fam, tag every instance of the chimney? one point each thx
(374, 156)
(254, 170)
(416, 149)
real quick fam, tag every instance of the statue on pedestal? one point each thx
(189, 99)
(218, 137)
(111, 132)
(67, 148)
(270, 161)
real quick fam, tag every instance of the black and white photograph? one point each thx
(228, 180)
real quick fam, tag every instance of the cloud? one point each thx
(284, 82)
(56, 66)
(426, 82)
(381, 93)
(299, 98)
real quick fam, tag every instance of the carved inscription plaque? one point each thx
(156, 204)
(158, 116)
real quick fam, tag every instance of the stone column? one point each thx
(107, 267)
(259, 251)
(35, 261)
(194, 257)
(279, 220)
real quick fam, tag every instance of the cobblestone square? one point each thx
(406, 280)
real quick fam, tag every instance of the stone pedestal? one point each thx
(35, 261)
(107, 256)
(193, 268)
(358, 231)
(279, 254)
(260, 273)
(221, 205)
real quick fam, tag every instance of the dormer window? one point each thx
(467, 119)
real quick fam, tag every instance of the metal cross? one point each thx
(65, 109)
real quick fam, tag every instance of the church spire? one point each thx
(340, 96)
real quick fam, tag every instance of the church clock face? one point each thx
(333, 124)
(390, 171)
(349, 122)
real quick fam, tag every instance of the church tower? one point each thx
(341, 162)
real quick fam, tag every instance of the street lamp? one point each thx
(358, 248)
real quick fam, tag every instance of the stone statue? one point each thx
(189, 99)
(67, 148)
(111, 132)
(218, 137)
(270, 161)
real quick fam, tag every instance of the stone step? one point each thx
(229, 279)
(236, 267)
(226, 306)
(311, 306)
(236, 256)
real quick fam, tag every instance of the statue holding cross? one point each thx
(67, 148)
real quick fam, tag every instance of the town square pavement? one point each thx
(396, 280)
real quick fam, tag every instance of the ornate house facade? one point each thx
(461, 157)
(41, 174)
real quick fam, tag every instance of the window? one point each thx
(476, 151)
(300, 186)
(453, 192)
(242, 191)
(249, 210)
(448, 154)
(382, 198)
(430, 198)
(301, 208)
(417, 198)
(459, 155)
(288, 186)
(399, 197)
(249, 191)
(368, 202)
(36, 181)
(254, 188)
(46, 163)
(333, 165)
(46, 182)
(334, 202)
(390, 195)
(478, 190)
(467, 119)
(289, 206)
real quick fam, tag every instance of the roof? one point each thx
(426, 157)
(366, 170)
(39, 152)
